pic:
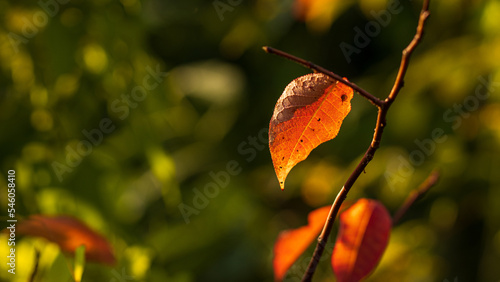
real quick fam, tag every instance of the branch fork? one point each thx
(383, 107)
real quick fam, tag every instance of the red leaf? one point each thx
(362, 239)
(308, 113)
(292, 243)
(69, 233)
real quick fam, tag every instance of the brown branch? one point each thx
(35, 268)
(377, 136)
(376, 101)
(383, 107)
(431, 180)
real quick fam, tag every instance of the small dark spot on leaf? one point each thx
(283, 158)
(319, 119)
(301, 140)
(281, 167)
(343, 97)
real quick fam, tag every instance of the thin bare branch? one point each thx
(377, 136)
(376, 101)
(405, 59)
(431, 180)
(35, 268)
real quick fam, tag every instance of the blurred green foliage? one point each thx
(179, 177)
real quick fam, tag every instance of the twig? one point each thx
(376, 101)
(431, 180)
(383, 107)
(377, 136)
(35, 269)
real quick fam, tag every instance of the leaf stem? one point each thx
(376, 101)
(383, 107)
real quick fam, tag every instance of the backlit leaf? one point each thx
(292, 243)
(309, 112)
(361, 241)
(69, 233)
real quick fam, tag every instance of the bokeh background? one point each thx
(183, 185)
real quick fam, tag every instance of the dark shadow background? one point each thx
(183, 186)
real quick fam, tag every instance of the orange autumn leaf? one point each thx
(292, 243)
(309, 112)
(69, 233)
(361, 241)
(319, 14)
